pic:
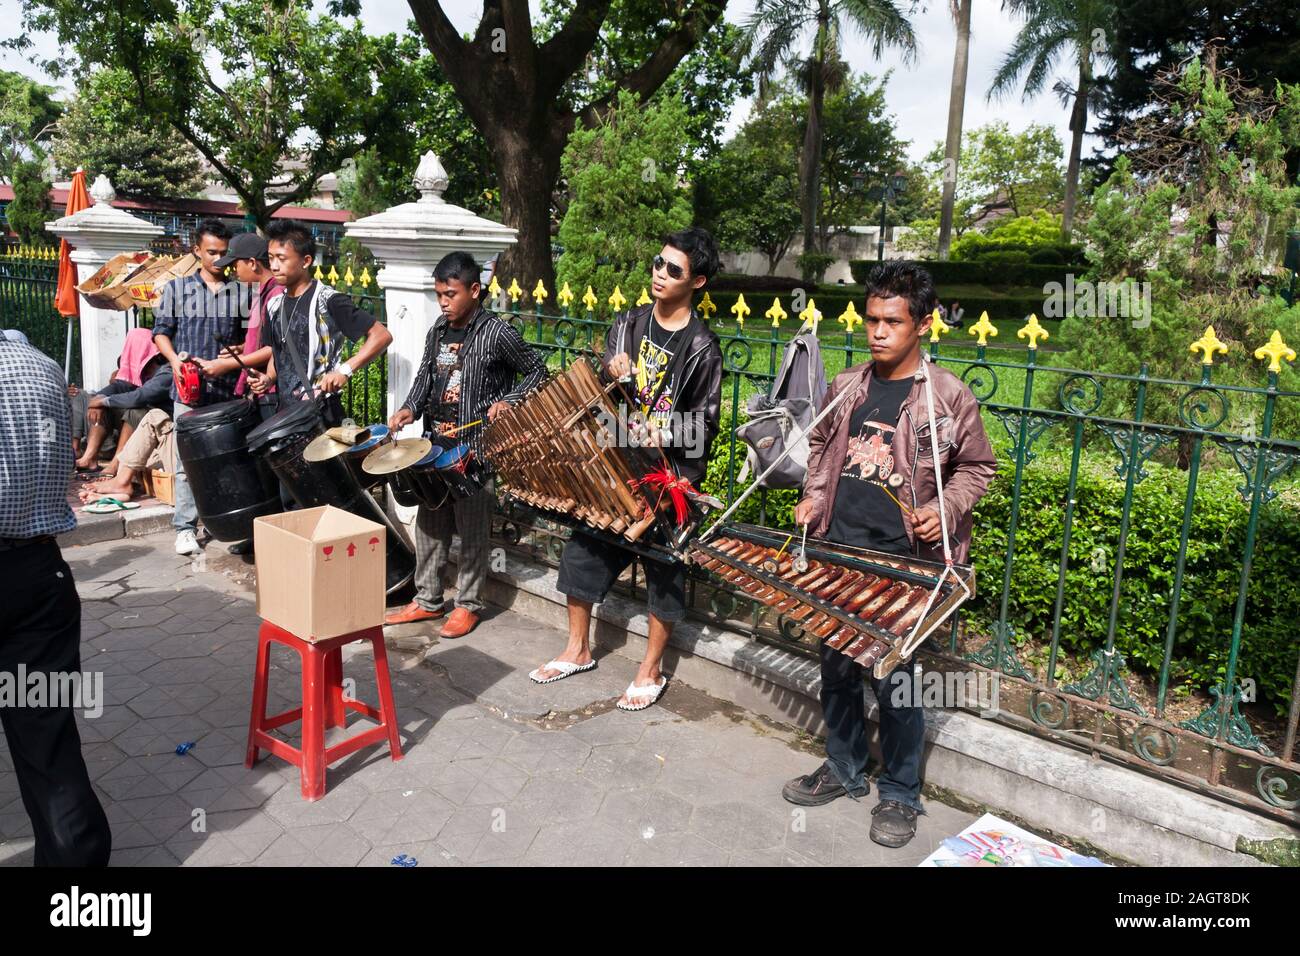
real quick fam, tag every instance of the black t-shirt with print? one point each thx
(654, 356)
(347, 318)
(864, 515)
(445, 395)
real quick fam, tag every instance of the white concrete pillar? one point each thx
(96, 235)
(409, 240)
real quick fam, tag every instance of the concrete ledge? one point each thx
(1121, 811)
(92, 529)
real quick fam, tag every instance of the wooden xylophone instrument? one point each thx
(553, 452)
(867, 604)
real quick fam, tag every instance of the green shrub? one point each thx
(813, 265)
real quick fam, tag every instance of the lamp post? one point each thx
(891, 190)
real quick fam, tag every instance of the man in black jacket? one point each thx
(474, 366)
(672, 363)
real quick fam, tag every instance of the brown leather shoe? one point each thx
(459, 624)
(412, 613)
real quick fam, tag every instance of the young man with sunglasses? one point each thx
(673, 364)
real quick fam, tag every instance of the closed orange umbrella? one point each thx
(66, 299)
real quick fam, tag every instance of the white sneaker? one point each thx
(186, 542)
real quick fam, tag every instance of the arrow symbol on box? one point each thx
(373, 542)
(352, 549)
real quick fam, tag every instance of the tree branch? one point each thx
(650, 75)
(457, 58)
(565, 52)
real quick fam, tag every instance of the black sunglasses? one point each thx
(674, 270)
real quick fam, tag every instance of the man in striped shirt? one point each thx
(470, 371)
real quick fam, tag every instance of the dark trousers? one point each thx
(41, 629)
(902, 729)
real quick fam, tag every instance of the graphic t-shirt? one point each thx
(447, 369)
(654, 356)
(864, 514)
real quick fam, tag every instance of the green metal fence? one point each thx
(27, 286)
(1029, 407)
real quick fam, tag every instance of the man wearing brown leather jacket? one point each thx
(871, 483)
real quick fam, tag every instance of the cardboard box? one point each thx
(320, 571)
(147, 283)
(109, 288)
(159, 484)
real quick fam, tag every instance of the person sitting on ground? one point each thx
(143, 381)
(152, 445)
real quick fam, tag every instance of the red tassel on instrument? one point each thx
(667, 483)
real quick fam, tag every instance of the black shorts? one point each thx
(589, 567)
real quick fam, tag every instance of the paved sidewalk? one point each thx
(497, 770)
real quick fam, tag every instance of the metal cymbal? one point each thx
(395, 456)
(324, 447)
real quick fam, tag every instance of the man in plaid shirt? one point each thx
(196, 316)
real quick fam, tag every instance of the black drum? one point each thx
(375, 436)
(230, 486)
(420, 483)
(281, 441)
(461, 469)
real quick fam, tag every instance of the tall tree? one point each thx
(103, 134)
(775, 38)
(515, 84)
(27, 116)
(268, 93)
(1055, 29)
(956, 108)
(1153, 37)
(30, 209)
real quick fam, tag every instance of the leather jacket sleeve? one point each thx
(972, 464)
(700, 409)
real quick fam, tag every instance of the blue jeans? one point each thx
(902, 729)
(186, 516)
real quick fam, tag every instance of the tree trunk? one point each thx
(810, 160)
(1078, 126)
(956, 107)
(527, 172)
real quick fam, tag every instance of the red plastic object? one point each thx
(323, 705)
(189, 387)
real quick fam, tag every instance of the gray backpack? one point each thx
(780, 420)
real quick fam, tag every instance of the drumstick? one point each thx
(906, 509)
(229, 350)
(452, 431)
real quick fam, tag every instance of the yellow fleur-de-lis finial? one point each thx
(740, 309)
(348, 276)
(1032, 331)
(811, 314)
(776, 313)
(938, 326)
(707, 307)
(589, 299)
(365, 277)
(319, 275)
(1207, 345)
(539, 293)
(1275, 351)
(984, 328)
(333, 276)
(515, 292)
(565, 296)
(644, 297)
(494, 287)
(849, 318)
(617, 299)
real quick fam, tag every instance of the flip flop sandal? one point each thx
(88, 474)
(566, 669)
(107, 506)
(637, 694)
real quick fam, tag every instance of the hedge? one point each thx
(978, 273)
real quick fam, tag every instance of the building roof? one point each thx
(200, 207)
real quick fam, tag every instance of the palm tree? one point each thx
(1052, 28)
(956, 106)
(774, 38)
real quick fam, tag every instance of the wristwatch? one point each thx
(344, 369)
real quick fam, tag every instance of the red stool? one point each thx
(323, 705)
